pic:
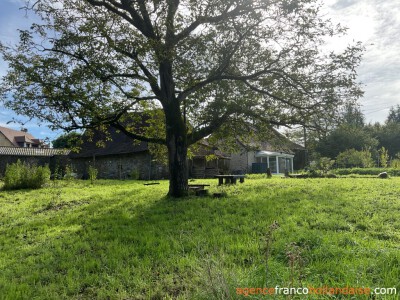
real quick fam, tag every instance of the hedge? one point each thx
(366, 171)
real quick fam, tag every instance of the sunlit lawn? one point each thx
(124, 240)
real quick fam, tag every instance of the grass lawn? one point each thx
(124, 240)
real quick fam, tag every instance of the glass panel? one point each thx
(272, 164)
(282, 164)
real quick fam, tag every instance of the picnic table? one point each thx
(229, 179)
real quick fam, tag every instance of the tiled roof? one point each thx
(19, 151)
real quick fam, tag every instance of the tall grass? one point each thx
(124, 240)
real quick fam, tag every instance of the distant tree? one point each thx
(222, 66)
(394, 115)
(70, 140)
(352, 116)
(387, 135)
(346, 137)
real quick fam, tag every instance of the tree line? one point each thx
(352, 142)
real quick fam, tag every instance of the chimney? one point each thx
(24, 129)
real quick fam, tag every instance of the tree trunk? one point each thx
(177, 157)
(176, 135)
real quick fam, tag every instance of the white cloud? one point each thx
(376, 23)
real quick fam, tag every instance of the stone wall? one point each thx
(123, 166)
(53, 162)
(239, 163)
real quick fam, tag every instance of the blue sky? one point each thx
(11, 19)
(376, 23)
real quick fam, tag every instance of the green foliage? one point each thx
(70, 140)
(123, 240)
(366, 171)
(319, 167)
(92, 171)
(353, 158)
(394, 115)
(21, 175)
(395, 163)
(344, 138)
(135, 174)
(69, 173)
(211, 66)
(325, 164)
(383, 157)
(366, 159)
(352, 116)
(388, 135)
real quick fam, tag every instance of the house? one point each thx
(116, 156)
(279, 155)
(20, 145)
(23, 139)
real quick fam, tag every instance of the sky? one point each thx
(376, 23)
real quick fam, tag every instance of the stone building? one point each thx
(116, 156)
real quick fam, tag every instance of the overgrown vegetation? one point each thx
(22, 175)
(92, 171)
(124, 240)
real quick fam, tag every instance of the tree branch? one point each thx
(135, 18)
(218, 76)
(237, 11)
(216, 123)
(122, 128)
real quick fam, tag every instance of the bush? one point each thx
(92, 174)
(135, 174)
(354, 158)
(21, 175)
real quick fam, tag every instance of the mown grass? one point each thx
(124, 240)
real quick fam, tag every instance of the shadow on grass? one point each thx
(131, 242)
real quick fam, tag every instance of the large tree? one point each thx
(218, 65)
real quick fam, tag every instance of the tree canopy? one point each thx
(394, 115)
(217, 65)
(70, 140)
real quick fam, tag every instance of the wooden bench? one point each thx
(197, 186)
(229, 179)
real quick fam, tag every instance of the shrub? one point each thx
(354, 158)
(324, 164)
(69, 173)
(135, 174)
(21, 175)
(383, 157)
(92, 174)
(395, 163)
